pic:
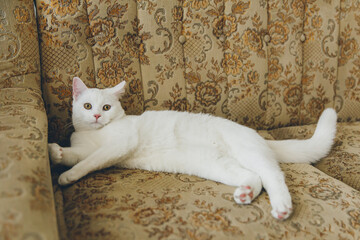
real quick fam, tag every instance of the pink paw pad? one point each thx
(243, 195)
(283, 215)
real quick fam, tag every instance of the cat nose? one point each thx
(97, 116)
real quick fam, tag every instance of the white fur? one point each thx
(182, 142)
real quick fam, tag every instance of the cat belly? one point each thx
(202, 161)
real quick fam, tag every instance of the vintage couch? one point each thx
(271, 65)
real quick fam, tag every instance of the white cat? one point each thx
(180, 142)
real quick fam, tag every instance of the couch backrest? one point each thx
(264, 64)
(19, 48)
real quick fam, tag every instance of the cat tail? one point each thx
(310, 150)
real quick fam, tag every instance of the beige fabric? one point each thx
(26, 199)
(347, 88)
(134, 204)
(265, 64)
(19, 46)
(262, 64)
(27, 208)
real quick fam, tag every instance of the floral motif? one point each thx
(62, 92)
(275, 69)
(316, 106)
(156, 216)
(293, 95)
(325, 192)
(350, 82)
(110, 73)
(279, 32)
(97, 181)
(134, 48)
(40, 192)
(231, 64)
(130, 46)
(102, 30)
(199, 4)
(240, 7)
(253, 77)
(224, 25)
(348, 50)
(95, 202)
(135, 86)
(208, 93)
(65, 7)
(317, 21)
(22, 15)
(181, 105)
(298, 8)
(355, 218)
(178, 102)
(213, 220)
(178, 13)
(117, 10)
(209, 220)
(252, 40)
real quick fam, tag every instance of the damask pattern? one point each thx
(265, 64)
(19, 52)
(27, 208)
(26, 192)
(139, 204)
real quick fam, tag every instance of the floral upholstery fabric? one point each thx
(264, 64)
(271, 65)
(27, 208)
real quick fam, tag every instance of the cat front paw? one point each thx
(55, 153)
(67, 178)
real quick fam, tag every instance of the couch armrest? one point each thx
(27, 208)
(26, 196)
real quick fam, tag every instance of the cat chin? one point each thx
(96, 125)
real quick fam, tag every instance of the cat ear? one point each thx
(78, 87)
(119, 89)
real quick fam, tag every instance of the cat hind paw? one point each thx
(281, 215)
(243, 195)
(281, 206)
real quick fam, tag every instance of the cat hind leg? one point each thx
(248, 189)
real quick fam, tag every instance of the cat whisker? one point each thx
(68, 125)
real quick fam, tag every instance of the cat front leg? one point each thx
(102, 158)
(55, 153)
(98, 160)
(68, 156)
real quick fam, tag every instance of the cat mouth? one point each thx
(97, 124)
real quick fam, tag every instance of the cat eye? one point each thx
(106, 107)
(87, 106)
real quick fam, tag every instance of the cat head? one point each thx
(94, 108)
